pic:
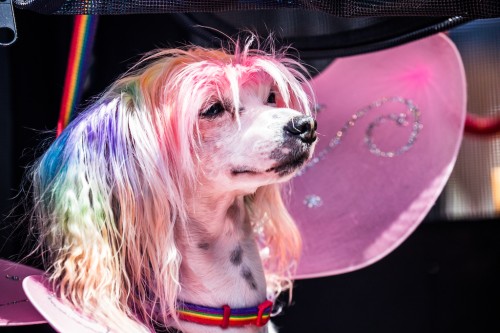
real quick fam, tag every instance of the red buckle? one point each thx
(225, 319)
(267, 304)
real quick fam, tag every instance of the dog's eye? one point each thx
(271, 99)
(213, 111)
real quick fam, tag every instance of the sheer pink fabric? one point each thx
(355, 206)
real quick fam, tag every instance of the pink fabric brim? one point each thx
(15, 309)
(363, 205)
(62, 316)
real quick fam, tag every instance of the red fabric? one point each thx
(482, 125)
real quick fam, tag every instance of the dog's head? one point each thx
(243, 118)
(111, 191)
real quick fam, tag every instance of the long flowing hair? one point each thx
(108, 193)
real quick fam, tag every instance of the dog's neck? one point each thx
(220, 259)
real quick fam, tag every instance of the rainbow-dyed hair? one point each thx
(109, 191)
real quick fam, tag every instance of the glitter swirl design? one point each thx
(400, 119)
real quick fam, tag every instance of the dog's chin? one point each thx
(289, 166)
(282, 168)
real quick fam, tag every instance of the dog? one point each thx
(160, 206)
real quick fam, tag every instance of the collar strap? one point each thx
(226, 317)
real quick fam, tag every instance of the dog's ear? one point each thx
(277, 235)
(107, 193)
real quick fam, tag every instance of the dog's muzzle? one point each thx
(295, 149)
(300, 135)
(302, 128)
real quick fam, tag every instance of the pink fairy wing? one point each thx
(60, 315)
(15, 308)
(355, 206)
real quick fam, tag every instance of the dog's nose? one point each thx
(303, 127)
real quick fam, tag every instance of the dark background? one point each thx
(444, 278)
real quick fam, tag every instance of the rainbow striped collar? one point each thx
(225, 316)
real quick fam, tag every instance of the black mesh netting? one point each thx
(343, 8)
(319, 37)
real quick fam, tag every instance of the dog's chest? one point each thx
(226, 271)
